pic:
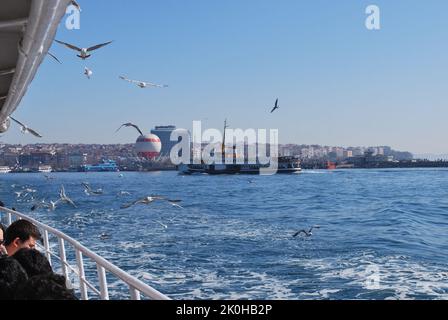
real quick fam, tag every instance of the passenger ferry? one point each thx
(45, 169)
(5, 169)
(104, 166)
(285, 165)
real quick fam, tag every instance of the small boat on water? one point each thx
(45, 169)
(4, 169)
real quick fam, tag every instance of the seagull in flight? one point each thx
(143, 84)
(148, 200)
(54, 57)
(38, 205)
(308, 233)
(88, 73)
(25, 129)
(51, 206)
(164, 226)
(89, 191)
(76, 5)
(174, 204)
(84, 53)
(64, 198)
(276, 106)
(129, 124)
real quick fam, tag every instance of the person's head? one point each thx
(12, 275)
(34, 262)
(2, 239)
(48, 286)
(21, 234)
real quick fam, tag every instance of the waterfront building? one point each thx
(77, 160)
(348, 154)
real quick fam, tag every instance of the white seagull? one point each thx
(25, 129)
(64, 198)
(176, 205)
(308, 233)
(164, 226)
(51, 206)
(76, 5)
(129, 124)
(88, 73)
(123, 193)
(84, 53)
(38, 205)
(148, 200)
(89, 191)
(144, 84)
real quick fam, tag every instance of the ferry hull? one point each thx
(235, 169)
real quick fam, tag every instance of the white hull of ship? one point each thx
(5, 170)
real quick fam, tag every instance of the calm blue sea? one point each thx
(383, 233)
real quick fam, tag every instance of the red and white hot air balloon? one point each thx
(148, 146)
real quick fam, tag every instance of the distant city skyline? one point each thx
(338, 84)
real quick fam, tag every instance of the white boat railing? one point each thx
(136, 287)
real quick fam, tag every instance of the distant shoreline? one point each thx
(303, 167)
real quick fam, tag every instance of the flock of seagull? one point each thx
(85, 53)
(147, 200)
(88, 73)
(64, 198)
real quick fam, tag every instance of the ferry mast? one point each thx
(223, 146)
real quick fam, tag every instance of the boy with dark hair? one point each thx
(21, 234)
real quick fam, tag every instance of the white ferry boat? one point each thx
(45, 169)
(5, 169)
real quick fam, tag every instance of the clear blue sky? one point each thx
(338, 83)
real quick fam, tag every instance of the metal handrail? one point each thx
(135, 286)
